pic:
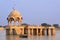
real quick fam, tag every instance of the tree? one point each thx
(48, 25)
(56, 25)
(25, 24)
(44, 24)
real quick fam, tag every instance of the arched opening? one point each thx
(13, 31)
(17, 23)
(12, 22)
(12, 19)
(35, 31)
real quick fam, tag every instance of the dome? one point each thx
(14, 13)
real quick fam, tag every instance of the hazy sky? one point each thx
(33, 11)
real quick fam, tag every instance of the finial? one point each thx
(14, 9)
(14, 5)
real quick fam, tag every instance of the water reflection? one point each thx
(11, 37)
(40, 37)
(53, 38)
(16, 37)
(35, 38)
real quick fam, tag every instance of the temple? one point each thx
(18, 29)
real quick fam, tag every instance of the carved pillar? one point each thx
(23, 30)
(10, 27)
(14, 22)
(19, 23)
(9, 23)
(10, 31)
(32, 31)
(37, 31)
(28, 32)
(20, 30)
(40, 31)
(53, 31)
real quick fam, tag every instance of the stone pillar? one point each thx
(10, 27)
(20, 30)
(48, 31)
(37, 31)
(14, 23)
(53, 31)
(18, 23)
(40, 31)
(9, 23)
(10, 31)
(7, 31)
(23, 30)
(28, 32)
(32, 31)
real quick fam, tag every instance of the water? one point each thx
(15, 37)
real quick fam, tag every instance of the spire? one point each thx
(14, 4)
(14, 9)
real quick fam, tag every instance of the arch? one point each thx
(12, 19)
(13, 31)
(21, 18)
(18, 18)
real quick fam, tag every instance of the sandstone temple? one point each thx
(18, 29)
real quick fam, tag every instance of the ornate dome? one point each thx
(15, 15)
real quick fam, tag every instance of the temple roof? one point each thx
(14, 13)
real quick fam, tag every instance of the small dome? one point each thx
(14, 13)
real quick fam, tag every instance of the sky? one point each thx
(33, 11)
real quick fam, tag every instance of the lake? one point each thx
(16, 37)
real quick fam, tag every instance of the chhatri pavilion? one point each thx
(14, 16)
